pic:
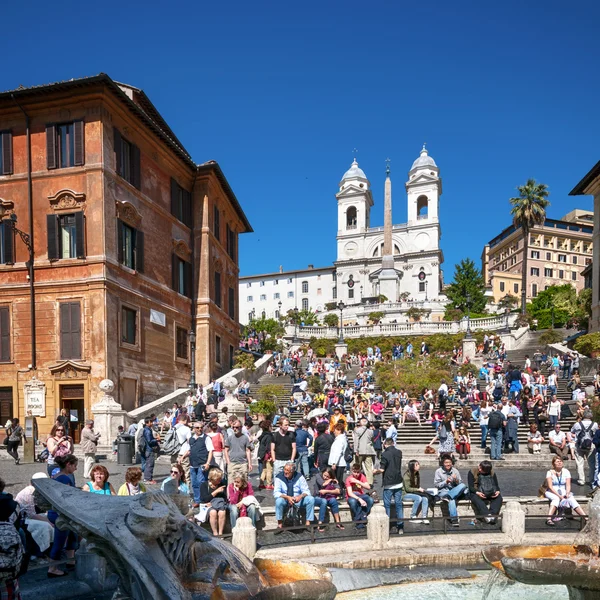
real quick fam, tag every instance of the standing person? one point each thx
(337, 459)
(359, 501)
(496, 422)
(199, 456)
(15, 434)
(63, 419)
(238, 453)
(448, 481)
(58, 444)
(218, 443)
(322, 445)
(283, 447)
(391, 467)
(583, 432)
(148, 448)
(363, 447)
(484, 413)
(265, 460)
(485, 492)
(554, 407)
(89, 443)
(303, 442)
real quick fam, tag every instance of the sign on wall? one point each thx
(35, 397)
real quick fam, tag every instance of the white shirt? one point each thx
(557, 437)
(183, 433)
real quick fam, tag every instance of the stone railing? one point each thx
(416, 328)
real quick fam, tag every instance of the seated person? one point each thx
(360, 503)
(559, 492)
(534, 439)
(450, 487)
(291, 490)
(133, 483)
(485, 492)
(237, 491)
(558, 442)
(411, 413)
(326, 492)
(115, 443)
(175, 484)
(213, 493)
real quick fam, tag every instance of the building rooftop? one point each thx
(283, 274)
(579, 189)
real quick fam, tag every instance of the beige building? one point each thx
(558, 251)
(590, 185)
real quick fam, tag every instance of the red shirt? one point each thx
(355, 488)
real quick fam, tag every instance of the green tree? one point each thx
(528, 209)
(507, 302)
(271, 326)
(331, 320)
(306, 317)
(556, 304)
(467, 290)
(376, 316)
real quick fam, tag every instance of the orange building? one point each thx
(133, 248)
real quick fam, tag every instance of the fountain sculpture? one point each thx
(158, 553)
(576, 566)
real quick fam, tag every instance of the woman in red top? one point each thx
(216, 438)
(237, 490)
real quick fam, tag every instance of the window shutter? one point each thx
(139, 251)
(65, 330)
(51, 146)
(79, 234)
(79, 142)
(175, 272)
(52, 226)
(120, 241)
(4, 334)
(135, 167)
(8, 240)
(187, 271)
(187, 208)
(75, 329)
(174, 195)
(118, 151)
(7, 163)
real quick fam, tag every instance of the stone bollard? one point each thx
(513, 521)
(244, 536)
(378, 527)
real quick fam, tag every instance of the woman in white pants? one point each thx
(559, 490)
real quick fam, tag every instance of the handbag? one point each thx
(202, 513)
(429, 450)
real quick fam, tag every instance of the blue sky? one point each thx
(280, 94)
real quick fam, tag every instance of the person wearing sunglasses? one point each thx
(59, 444)
(175, 483)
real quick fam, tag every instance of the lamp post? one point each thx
(426, 290)
(361, 290)
(341, 306)
(192, 385)
(279, 304)
(296, 340)
(468, 336)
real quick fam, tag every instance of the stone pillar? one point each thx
(108, 415)
(469, 348)
(387, 219)
(234, 406)
(513, 521)
(340, 350)
(378, 528)
(244, 536)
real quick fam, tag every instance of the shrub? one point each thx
(272, 345)
(588, 344)
(271, 392)
(468, 368)
(550, 337)
(413, 375)
(453, 314)
(322, 347)
(376, 316)
(244, 360)
(331, 320)
(264, 407)
(416, 314)
(315, 385)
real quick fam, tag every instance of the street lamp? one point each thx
(296, 340)
(341, 306)
(426, 290)
(192, 336)
(361, 289)
(279, 304)
(468, 336)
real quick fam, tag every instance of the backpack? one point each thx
(172, 443)
(11, 551)
(495, 421)
(498, 384)
(487, 485)
(584, 439)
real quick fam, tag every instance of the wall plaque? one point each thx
(35, 397)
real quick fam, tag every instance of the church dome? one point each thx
(354, 172)
(424, 160)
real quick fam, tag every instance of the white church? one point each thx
(400, 262)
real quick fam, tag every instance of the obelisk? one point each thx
(388, 278)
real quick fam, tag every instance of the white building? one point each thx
(417, 257)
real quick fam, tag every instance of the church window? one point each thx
(334, 293)
(422, 207)
(304, 303)
(351, 218)
(305, 287)
(396, 249)
(376, 251)
(421, 286)
(350, 293)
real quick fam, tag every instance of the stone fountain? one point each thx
(576, 566)
(158, 553)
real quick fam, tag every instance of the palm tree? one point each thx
(528, 210)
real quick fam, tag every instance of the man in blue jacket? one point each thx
(149, 448)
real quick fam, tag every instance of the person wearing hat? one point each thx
(337, 417)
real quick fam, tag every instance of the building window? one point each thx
(248, 285)
(262, 284)
(181, 203)
(421, 286)
(535, 271)
(70, 330)
(574, 275)
(182, 276)
(501, 286)
(319, 292)
(263, 315)
(250, 316)
(561, 274)
(181, 346)
(334, 293)
(65, 145)
(231, 242)
(217, 223)
(304, 303)
(534, 289)
(276, 282)
(290, 280)
(7, 242)
(290, 294)
(263, 296)
(562, 258)
(129, 325)
(218, 289)
(6, 153)
(4, 334)
(130, 246)
(516, 288)
(351, 219)
(250, 299)
(305, 287)
(535, 254)
(127, 160)
(574, 260)
(548, 273)
(548, 255)
(231, 303)
(65, 236)
(276, 296)
(277, 314)
(351, 293)
(218, 350)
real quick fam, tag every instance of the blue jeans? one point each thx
(387, 503)
(552, 390)
(302, 465)
(419, 502)
(553, 420)
(496, 439)
(361, 513)
(484, 432)
(323, 503)
(234, 513)
(61, 537)
(453, 494)
(197, 476)
(308, 502)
